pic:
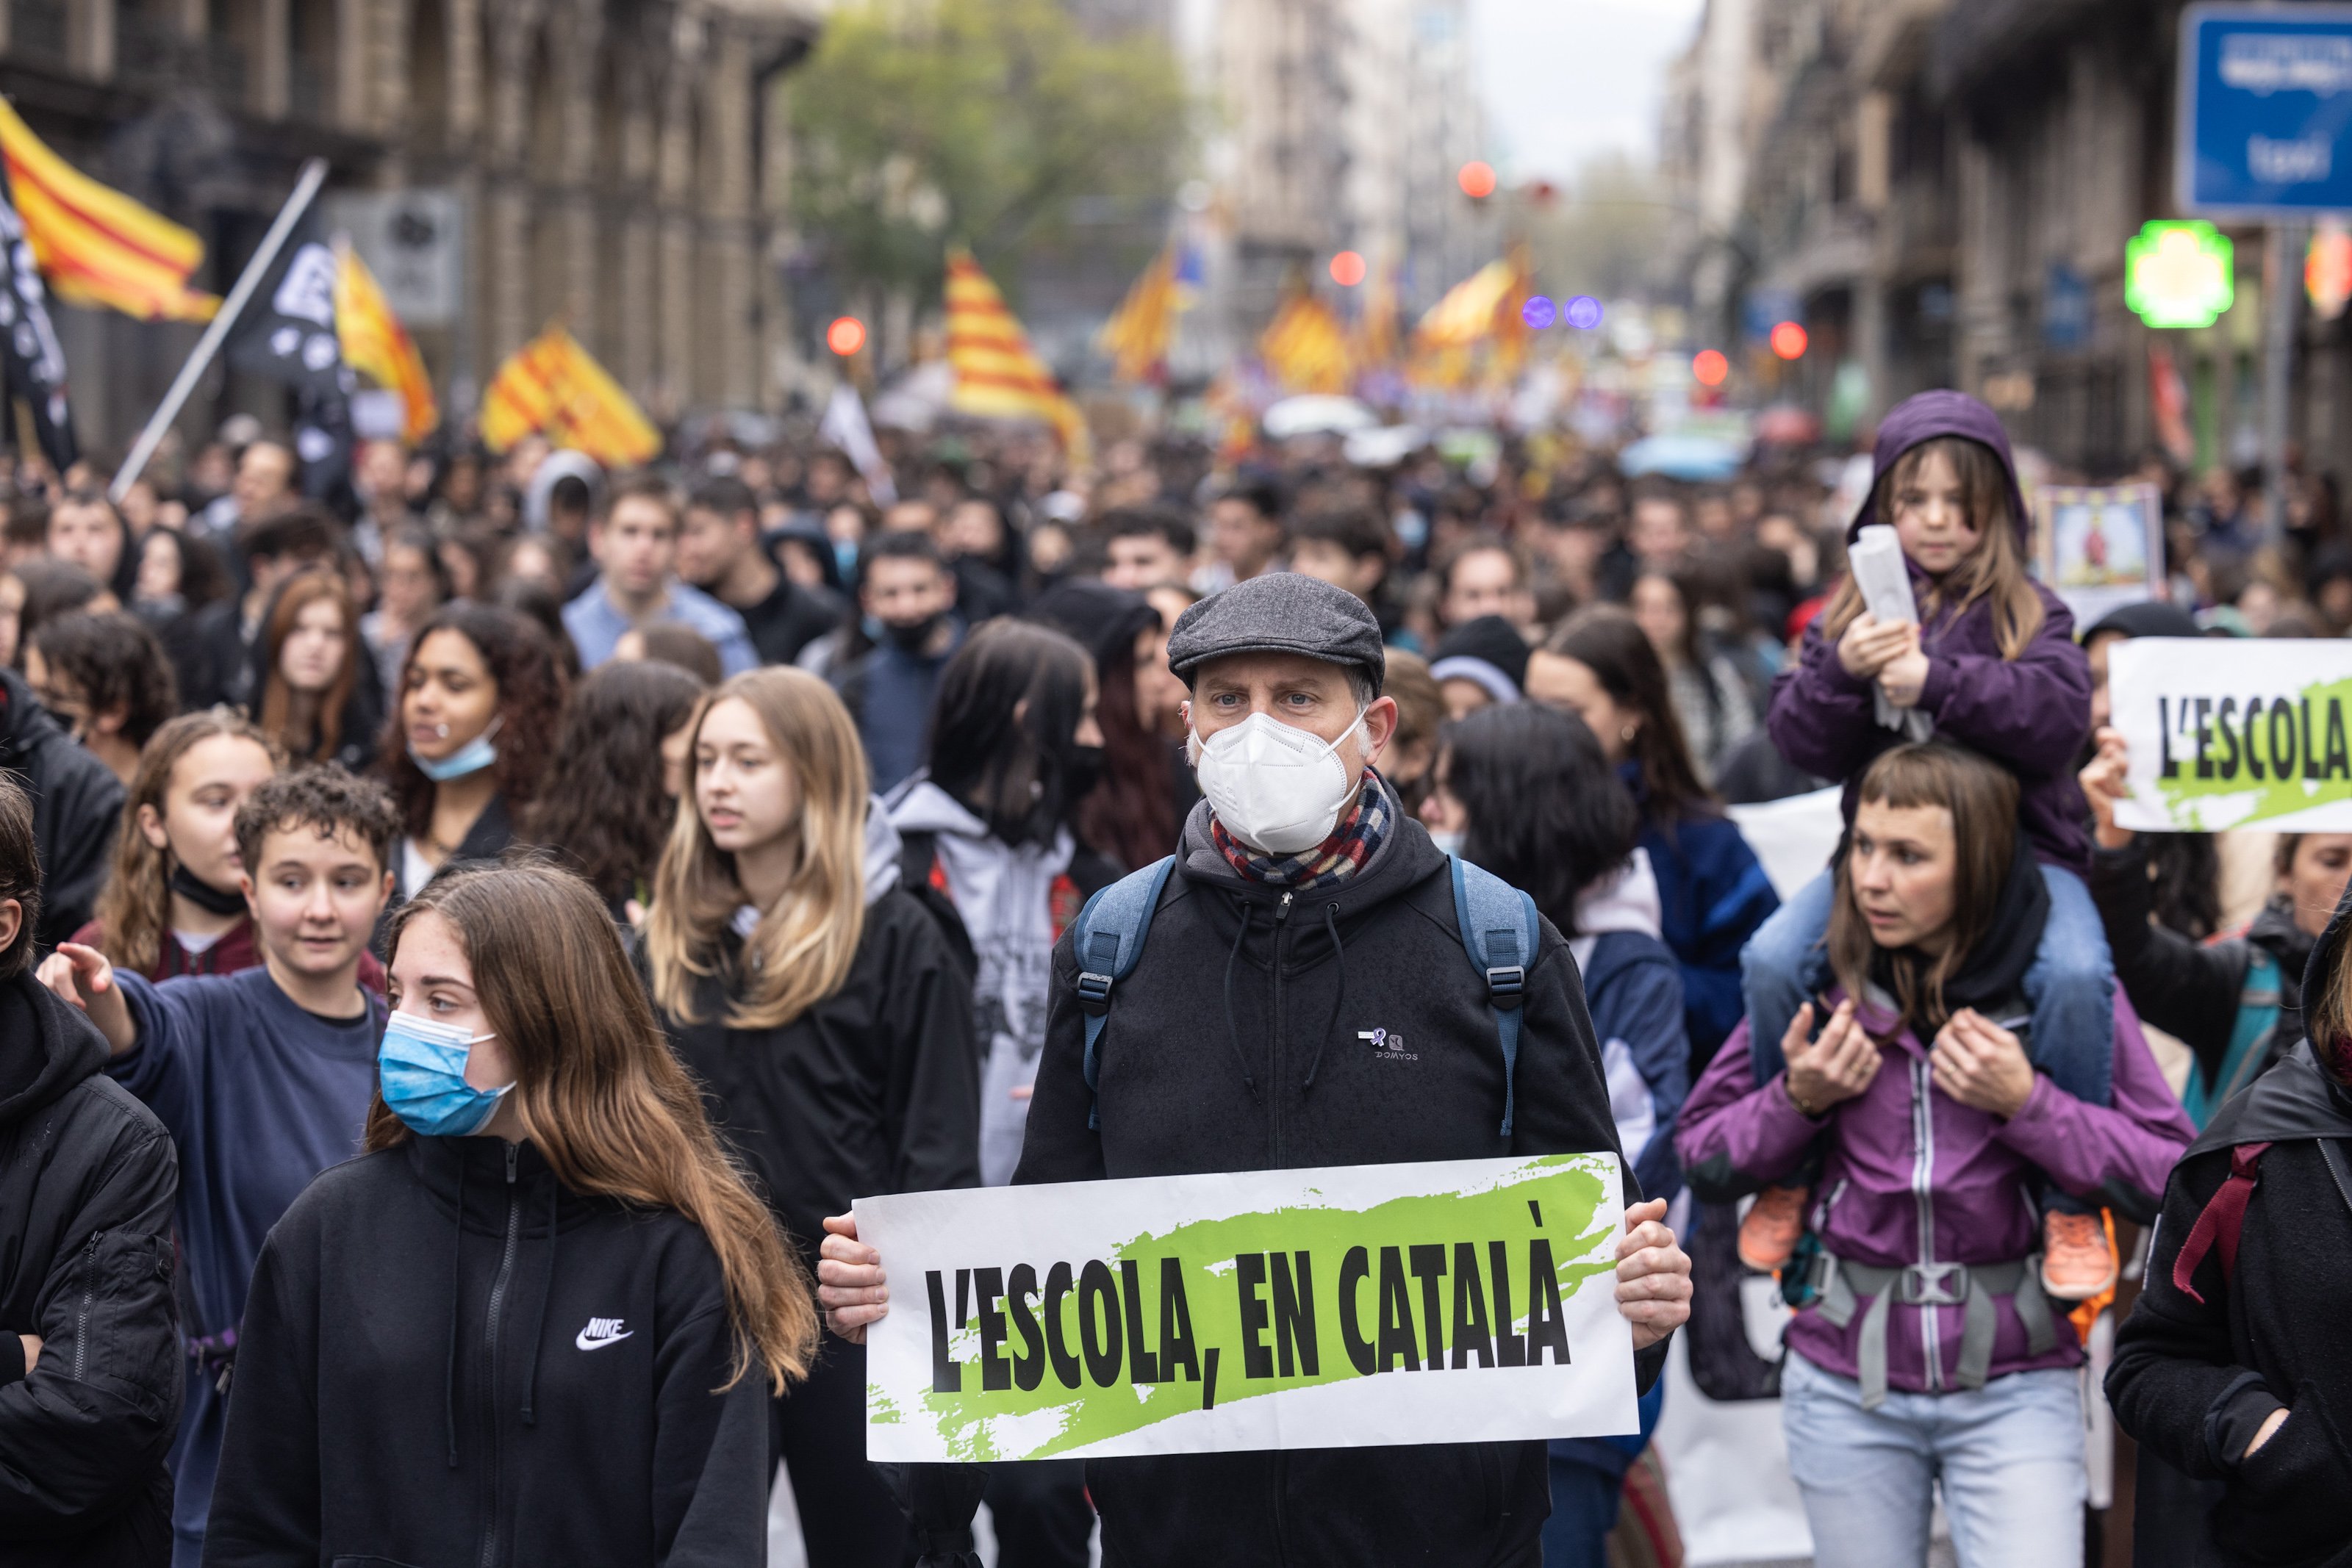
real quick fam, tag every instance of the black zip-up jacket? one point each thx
(76, 807)
(1233, 1046)
(87, 1179)
(2193, 1380)
(2191, 989)
(874, 1089)
(531, 1384)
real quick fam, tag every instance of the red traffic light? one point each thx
(1347, 270)
(1476, 179)
(1789, 340)
(1709, 368)
(845, 336)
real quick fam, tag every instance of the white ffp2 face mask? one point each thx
(1274, 786)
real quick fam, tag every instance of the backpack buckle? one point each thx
(1094, 992)
(1506, 983)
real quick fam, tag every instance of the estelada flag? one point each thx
(1305, 346)
(32, 364)
(96, 246)
(997, 374)
(377, 346)
(555, 387)
(1137, 336)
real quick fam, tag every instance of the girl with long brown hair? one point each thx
(828, 1018)
(543, 1313)
(316, 691)
(1927, 1355)
(1990, 664)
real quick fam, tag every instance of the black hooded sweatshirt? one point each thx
(1233, 1046)
(531, 1384)
(87, 1179)
(76, 808)
(2193, 1379)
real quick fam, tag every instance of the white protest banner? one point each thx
(2230, 732)
(1468, 1301)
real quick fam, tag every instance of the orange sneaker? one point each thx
(1770, 1232)
(2076, 1261)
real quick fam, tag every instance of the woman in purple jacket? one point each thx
(1992, 663)
(1926, 1351)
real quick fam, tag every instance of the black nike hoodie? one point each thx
(447, 1357)
(1238, 1044)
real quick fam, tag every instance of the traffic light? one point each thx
(1348, 269)
(1789, 340)
(845, 336)
(2178, 274)
(1477, 180)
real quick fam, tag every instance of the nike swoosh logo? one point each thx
(585, 1343)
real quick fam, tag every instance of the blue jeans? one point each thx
(2071, 985)
(2009, 1458)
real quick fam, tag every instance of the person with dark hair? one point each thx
(1712, 892)
(1709, 697)
(813, 989)
(1928, 1357)
(985, 554)
(1484, 576)
(77, 803)
(1246, 533)
(264, 1077)
(1525, 792)
(105, 678)
(315, 692)
(1144, 546)
(671, 643)
(541, 1318)
(89, 1333)
(720, 552)
(1480, 664)
(216, 657)
(178, 574)
(85, 528)
(52, 589)
(1350, 547)
(410, 586)
(634, 544)
(534, 601)
(908, 596)
(1130, 816)
(621, 754)
(479, 703)
(1015, 746)
(1300, 879)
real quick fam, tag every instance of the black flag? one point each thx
(34, 366)
(287, 333)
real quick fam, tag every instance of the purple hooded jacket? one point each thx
(2031, 714)
(1911, 1175)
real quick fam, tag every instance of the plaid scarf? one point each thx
(1335, 859)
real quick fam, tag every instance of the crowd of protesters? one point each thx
(518, 905)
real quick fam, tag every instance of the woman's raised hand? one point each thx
(1838, 1066)
(1982, 1065)
(2103, 786)
(850, 1285)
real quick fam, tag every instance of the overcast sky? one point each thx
(1567, 79)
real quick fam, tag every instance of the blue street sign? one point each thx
(2265, 111)
(2066, 308)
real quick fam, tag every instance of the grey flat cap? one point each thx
(1280, 612)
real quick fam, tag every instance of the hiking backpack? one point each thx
(1496, 921)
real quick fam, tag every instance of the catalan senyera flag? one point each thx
(997, 374)
(1375, 338)
(376, 345)
(555, 387)
(1138, 335)
(1470, 310)
(1305, 346)
(96, 246)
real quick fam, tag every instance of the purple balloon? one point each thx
(1539, 312)
(1584, 311)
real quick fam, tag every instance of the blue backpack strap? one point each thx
(1108, 939)
(1499, 932)
(2249, 1041)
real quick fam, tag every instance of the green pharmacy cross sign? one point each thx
(2178, 273)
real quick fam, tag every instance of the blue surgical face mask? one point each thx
(844, 556)
(422, 1068)
(1448, 843)
(471, 758)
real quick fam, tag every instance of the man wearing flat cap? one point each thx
(1305, 999)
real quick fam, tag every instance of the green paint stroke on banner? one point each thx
(1216, 1311)
(2224, 762)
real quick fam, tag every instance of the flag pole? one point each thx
(314, 174)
